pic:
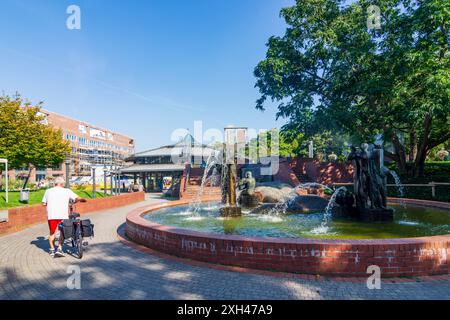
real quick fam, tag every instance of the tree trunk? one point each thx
(30, 168)
(422, 148)
(412, 145)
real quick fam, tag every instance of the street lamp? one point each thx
(311, 149)
(67, 172)
(116, 168)
(94, 187)
(104, 179)
(111, 177)
(5, 161)
(379, 142)
(118, 175)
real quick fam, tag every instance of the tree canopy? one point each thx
(330, 72)
(25, 140)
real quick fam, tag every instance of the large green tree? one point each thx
(262, 145)
(331, 72)
(25, 139)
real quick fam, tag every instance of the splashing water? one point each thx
(213, 180)
(324, 226)
(195, 205)
(398, 183)
(281, 207)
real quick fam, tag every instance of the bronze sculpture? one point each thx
(369, 184)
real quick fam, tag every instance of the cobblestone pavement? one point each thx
(112, 270)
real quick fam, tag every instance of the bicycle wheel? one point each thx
(79, 242)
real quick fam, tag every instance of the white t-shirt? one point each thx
(57, 201)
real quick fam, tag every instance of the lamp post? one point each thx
(311, 150)
(5, 161)
(94, 187)
(67, 162)
(379, 142)
(111, 178)
(112, 173)
(117, 181)
(118, 175)
(104, 179)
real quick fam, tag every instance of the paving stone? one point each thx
(112, 270)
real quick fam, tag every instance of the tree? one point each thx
(329, 72)
(263, 144)
(25, 140)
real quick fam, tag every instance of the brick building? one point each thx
(91, 145)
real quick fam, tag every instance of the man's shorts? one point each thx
(53, 224)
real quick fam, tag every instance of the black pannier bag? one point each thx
(67, 229)
(87, 228)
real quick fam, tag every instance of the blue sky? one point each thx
(142, 68)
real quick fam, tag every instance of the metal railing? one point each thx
(431, 185)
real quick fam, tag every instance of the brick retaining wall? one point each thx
(22, 217)
(396, 257)
(323, 172)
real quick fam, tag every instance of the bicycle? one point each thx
(77, 235)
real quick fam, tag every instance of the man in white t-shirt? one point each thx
(56, 200)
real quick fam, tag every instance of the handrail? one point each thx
(431, 185)
(188, 174)
(393, 185)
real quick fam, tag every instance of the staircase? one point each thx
(300, 172)
(209, 193)
(193, 187)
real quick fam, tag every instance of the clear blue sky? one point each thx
(143, 68)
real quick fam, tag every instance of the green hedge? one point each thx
(435, 171)
(442, 193)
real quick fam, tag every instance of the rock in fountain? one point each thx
(273, 194)
(282, 199)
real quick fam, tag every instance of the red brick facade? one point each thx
(22, 217)
(88, 147)
(396, 257)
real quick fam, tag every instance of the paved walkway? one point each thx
(112, 270)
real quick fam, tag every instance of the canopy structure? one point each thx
(154, 168)
(184, 151)
(138, 168)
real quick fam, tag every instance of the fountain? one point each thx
(306, 229)
(367, 202)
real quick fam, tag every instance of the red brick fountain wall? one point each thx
(22, 217)
(395, 257)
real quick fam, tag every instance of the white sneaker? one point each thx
(59, 253)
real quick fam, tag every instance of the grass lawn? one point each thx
(36, 197)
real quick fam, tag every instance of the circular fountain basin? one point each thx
(416, 243)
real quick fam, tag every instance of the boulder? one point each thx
(308, 203)
(272, 195)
